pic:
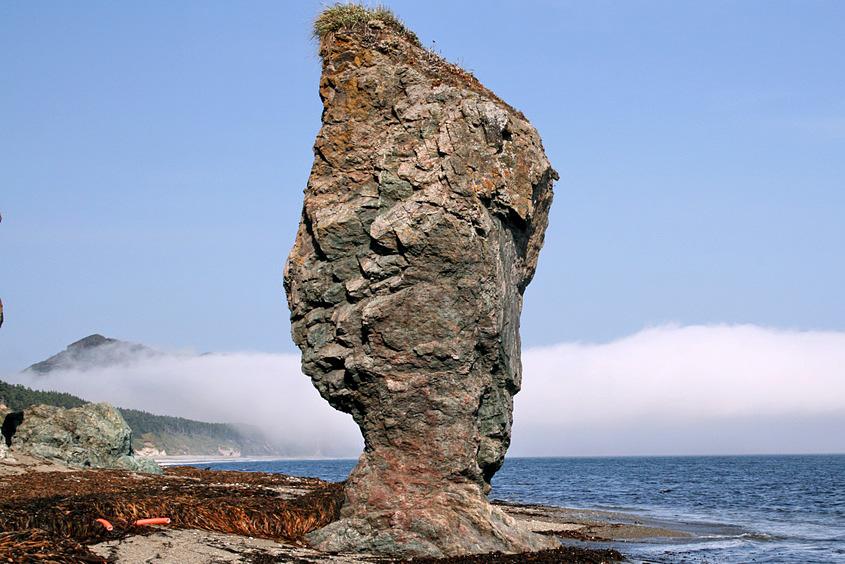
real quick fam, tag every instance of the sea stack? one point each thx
(423, 218)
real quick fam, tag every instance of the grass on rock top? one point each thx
(348, 16)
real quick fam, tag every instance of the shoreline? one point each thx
(603, 525)
(584, 534)
(220, 516)
(592, 525)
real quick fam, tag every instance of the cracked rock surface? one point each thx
(94, 435)
(423, 218)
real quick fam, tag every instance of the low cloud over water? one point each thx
(685, 390)
(664, 390)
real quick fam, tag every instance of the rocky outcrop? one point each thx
(90, 436)
(149, 449)
(423, 218)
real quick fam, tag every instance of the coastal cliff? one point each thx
(422, 222)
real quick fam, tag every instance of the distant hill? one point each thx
(151, 434)
(93, 351)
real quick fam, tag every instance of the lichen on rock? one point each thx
(422, 222)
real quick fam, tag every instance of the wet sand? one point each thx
(586, 524)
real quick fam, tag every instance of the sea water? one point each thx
(785, 509)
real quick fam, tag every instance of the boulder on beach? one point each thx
(91, 436)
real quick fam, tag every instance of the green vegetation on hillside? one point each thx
(143, 422)
(178, 435)
(17, 397)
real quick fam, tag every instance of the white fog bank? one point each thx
(266, 390)
(664, 390)
(685, 390)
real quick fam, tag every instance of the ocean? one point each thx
(784, 509)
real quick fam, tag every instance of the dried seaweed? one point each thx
(49, 517)
(35, 545)
(64, 506)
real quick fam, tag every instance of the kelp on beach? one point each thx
(54, 510)
(35, 545)
(51, 516)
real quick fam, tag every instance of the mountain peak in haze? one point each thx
(93, 351)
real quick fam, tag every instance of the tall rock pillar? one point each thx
(423, 218)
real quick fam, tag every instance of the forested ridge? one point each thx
(144, 422)
(18, 397)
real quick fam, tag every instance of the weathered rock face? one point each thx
(90, 436)
(423, 219)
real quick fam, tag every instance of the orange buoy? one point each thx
(105, 524)
(154, 521)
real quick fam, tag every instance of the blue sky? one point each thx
(153, 157)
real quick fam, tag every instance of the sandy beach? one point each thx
(183, 460)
